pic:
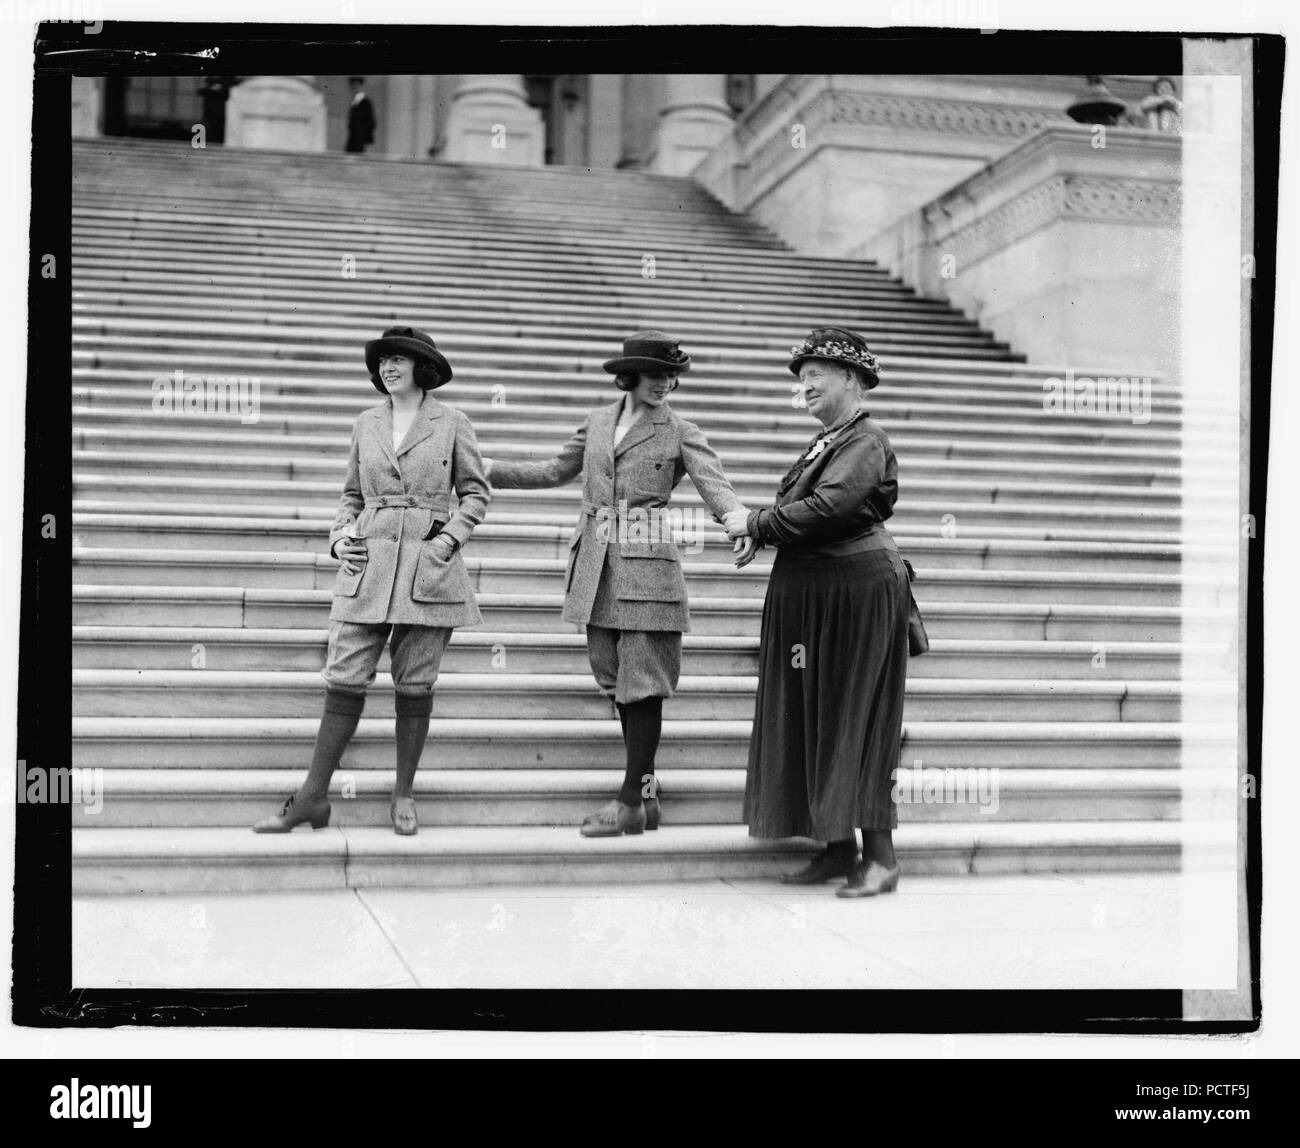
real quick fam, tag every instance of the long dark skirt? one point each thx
(828, 718)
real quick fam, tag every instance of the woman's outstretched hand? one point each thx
(745, 549)
(736, 523)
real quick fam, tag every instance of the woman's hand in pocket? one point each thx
(444, 546)
(351, 553)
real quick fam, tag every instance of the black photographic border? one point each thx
(44, 995)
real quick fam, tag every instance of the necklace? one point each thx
(819, 444)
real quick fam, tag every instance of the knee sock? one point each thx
(644, 720)
(337, 725)
(413, 712)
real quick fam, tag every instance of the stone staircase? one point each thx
(201, 583)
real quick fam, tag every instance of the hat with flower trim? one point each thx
(838, 345)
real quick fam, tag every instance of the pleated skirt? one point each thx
(828, 716)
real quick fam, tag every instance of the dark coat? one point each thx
(396, 501)
(839, 498)
(361, 123)
(645, 576)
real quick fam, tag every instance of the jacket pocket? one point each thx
(438, 579)
(346, 585)
(650, 572)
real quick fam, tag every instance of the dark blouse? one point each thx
(837, 502)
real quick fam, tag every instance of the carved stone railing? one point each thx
(1068, 247)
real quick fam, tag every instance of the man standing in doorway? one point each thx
(361, 117)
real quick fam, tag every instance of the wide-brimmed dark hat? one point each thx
(414, 344)
(652, 352)
(839, 345)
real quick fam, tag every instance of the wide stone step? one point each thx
(234, 860)
(562, 503)
(508, 439)
(457, 253)
(526, 508)
(317, 465)
(151, 647)
(556, 410)
(516, 743)
(286, 571)
(548, 696)
(661, 226)
(127, 605)
(186, 798)
(99, 301)
(1005, 373)
(698, 541)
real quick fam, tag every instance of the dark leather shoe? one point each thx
(870, 879)
(615, 820)
(402, 814)
(315, 813)
(821, 868)
(652, 814)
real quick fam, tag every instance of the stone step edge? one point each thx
(227, 846)
(726, 730)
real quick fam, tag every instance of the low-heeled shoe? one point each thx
(821, 868)
(402, 814)
(614, 820)
(316, 813)
(870, 879)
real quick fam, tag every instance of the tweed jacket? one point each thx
(839, 500)
(645, 576)
(396, 501)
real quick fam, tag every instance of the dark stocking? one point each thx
(337, 725)
(644, 720)
(413, 712)
(878, 845)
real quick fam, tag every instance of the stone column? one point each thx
(490, 122)
(278, 112)
(694, 117)
(87, 106)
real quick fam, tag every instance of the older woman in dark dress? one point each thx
(828, 717)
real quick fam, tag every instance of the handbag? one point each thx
(918, 641)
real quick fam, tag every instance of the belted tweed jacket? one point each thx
(645, 573)
(396, 501)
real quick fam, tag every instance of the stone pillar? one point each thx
(605, 121)
(490, 122)
(277, 112)
(87, 106)
(693, 119)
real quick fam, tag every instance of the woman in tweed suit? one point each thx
(625, 584)
(402, 579)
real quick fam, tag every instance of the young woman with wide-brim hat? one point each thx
(627, 586)
(828, 727)
(401, 578)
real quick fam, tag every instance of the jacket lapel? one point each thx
(642, 429)
(421, 428)
(602, 429)
(381, 426)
